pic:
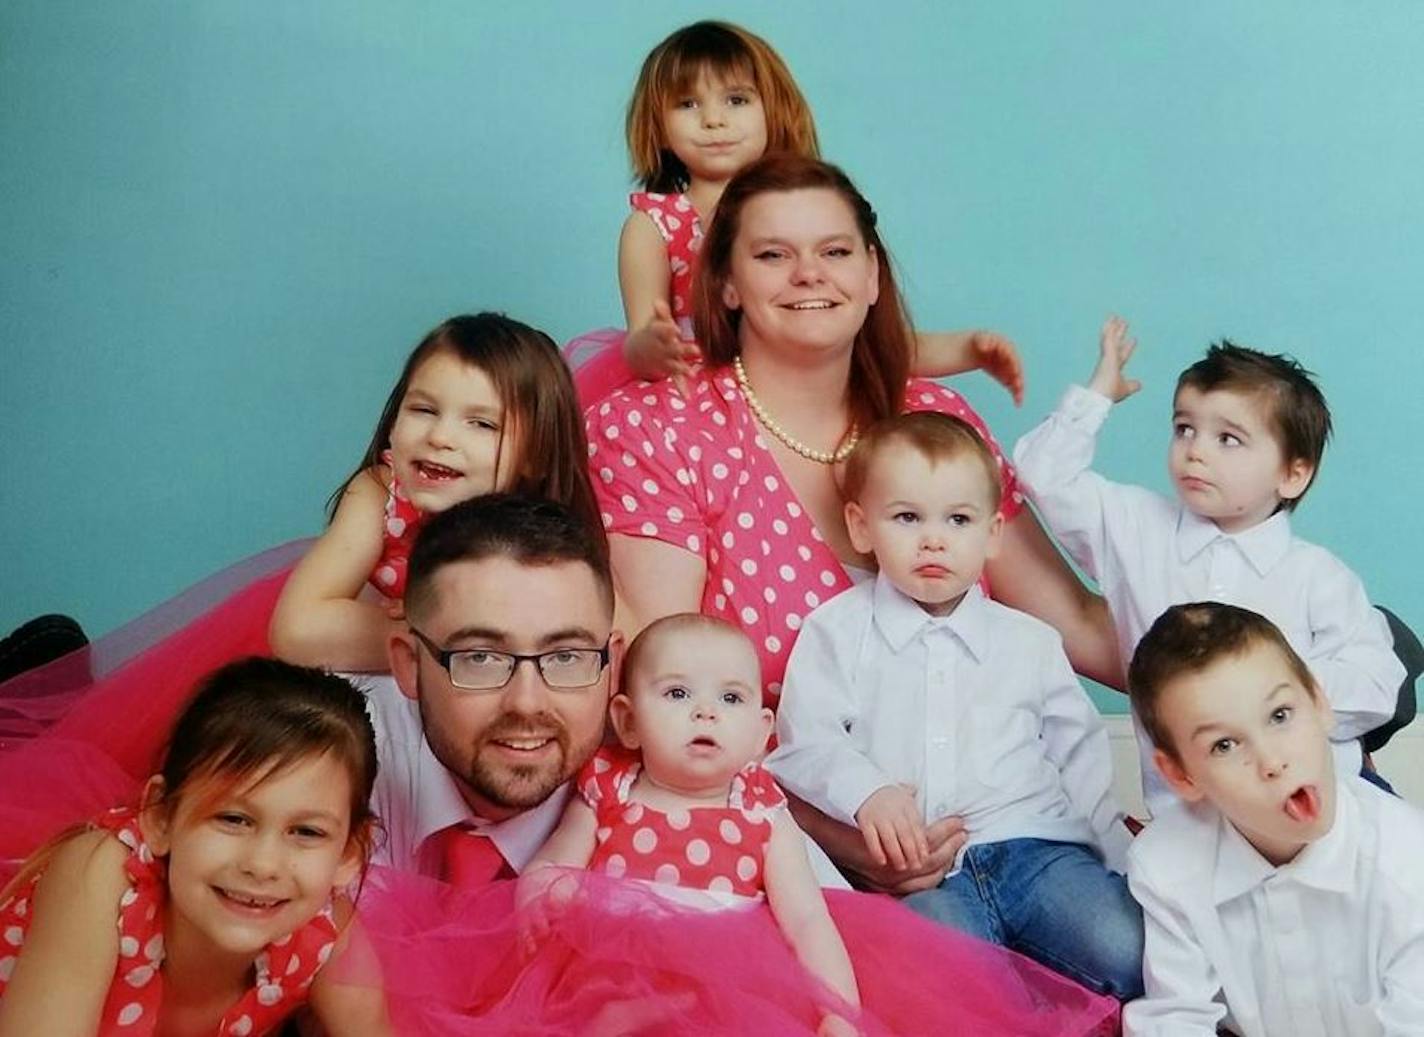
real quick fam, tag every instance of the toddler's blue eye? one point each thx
(1222, 746)
(677, 693)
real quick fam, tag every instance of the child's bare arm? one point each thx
(654, 348)
(939, 354)
(540, 893)
(800, 911)
(347, 996)
(319, 620)
(62, 974)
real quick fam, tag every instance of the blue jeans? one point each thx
(1054, 902)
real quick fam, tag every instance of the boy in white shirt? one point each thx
(1249, 430)
(1280, 897)
(913, 697)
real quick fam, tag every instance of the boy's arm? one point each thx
(939, 354)
(1351, 652)
(1076, 741)
(1054, 459)
(1182, 985)
(814, 757)
(800, 910)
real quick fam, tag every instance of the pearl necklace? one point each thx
(770, 424)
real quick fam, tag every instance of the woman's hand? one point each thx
(1115, 348)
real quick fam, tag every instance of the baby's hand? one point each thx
(1115, 348)
(541, 897)
(893, 829)
(657, 350)
(997, 357)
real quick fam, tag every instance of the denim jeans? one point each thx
(1054, 902)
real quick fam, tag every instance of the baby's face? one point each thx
(1253, 740)
(1225, 460)
(694, 709)
(931, 524)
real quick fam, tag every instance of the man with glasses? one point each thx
(504, 673)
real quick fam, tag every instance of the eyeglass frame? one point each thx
(444, 655)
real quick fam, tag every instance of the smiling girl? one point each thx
(484, 403)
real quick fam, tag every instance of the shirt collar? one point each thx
(900, 618)
(1326, 864)
(1263, 545)
(518, 838)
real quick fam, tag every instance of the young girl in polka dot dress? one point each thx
(710, 100)
(214, 906)
(684, 810)
(484, 403)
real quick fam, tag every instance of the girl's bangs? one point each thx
(723, 59)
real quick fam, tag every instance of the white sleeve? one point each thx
(1076, 741)
(1182, 987)
(1351, 652)
(815, 758)
(1054, 463)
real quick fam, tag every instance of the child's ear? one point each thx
(155, 819)
(620, 712)
(353, 858)
(1295, 479)
(1176, 775)
(857, 527)
(768, 720)
(996, 536)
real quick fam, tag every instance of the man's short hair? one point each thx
(529, 530)
(1295, 408)
(1190, 638)
(936, 437)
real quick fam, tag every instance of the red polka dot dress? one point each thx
(597, 357)
(399, 525)
(283, 971)
(717, 849)
(697, 472)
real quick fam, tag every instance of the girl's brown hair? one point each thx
(251, 719)
(884, 346)
(729, 53)
(536, 392)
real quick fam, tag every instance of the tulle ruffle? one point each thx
(596, 359)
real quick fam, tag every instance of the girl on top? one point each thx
(484, 403)
(710, 100)
(683, 815)
(214, 906)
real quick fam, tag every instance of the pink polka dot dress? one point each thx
(399, 525)
(283, 971)
(698, 473)
(717, 849)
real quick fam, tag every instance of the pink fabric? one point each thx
(720, 849)
(283, 972)
(596, 357)
(697, 473)
(622, 959)
(400, 525)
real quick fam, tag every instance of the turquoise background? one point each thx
(224, 225)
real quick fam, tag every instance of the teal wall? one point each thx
(223, 226)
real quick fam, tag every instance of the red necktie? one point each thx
(468, 859)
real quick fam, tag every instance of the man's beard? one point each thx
(519, 787)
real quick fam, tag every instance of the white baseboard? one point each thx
(1401, 762)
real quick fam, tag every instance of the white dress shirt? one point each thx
(1147, 553)
(978, 711)
(415, 796)
(1329, 945)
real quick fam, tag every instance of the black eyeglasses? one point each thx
(482, 669)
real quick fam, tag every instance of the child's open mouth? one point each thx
(436, 472)
(248, 903)
(1303, 805)
(704, 743)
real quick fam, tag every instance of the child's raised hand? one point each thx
(892, 827)
(657, 350)
(999, 358)
(1115, 349)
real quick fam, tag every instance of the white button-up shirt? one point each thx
(1329, 945)
(978, 710)
(1147, 553)
(415, 796)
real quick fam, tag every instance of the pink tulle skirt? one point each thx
(81, 734)
(623, 960)
(596, 359)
